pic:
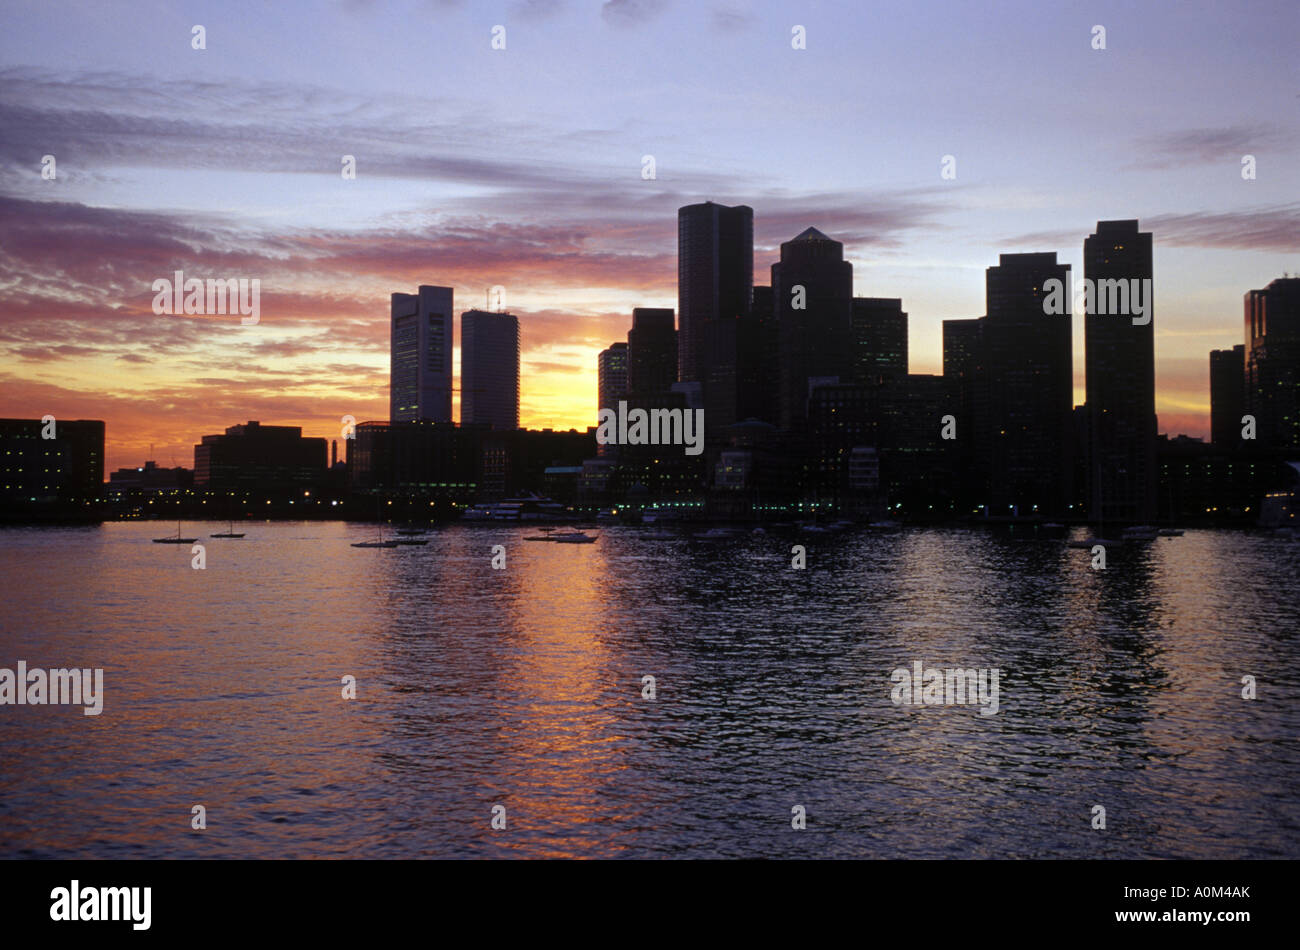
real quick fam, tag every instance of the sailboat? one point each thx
(230, 533)
(1090, 541)
(574, 537)
(379, 541)
(176, 540)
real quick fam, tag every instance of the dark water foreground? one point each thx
(523, 688)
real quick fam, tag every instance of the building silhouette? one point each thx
(715, 276)
(611, 376)
(1272, 367)
(651, 351)
(1024, 397)
(265, 459)
(150, 478)
(812, 292)
(963, 368)
(421, 339)
(758, 369)
(879, 339)
(1227, 395)
(1121, 388)
(489, 369)
(66, 468)
(611, 385)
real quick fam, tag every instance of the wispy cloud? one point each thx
(1273, 229)
(631, 12)
(1186, 147)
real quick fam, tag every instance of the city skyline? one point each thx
(433, 301)
(541, 192)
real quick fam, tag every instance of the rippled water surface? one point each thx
(523, 687)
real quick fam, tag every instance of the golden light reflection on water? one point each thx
(522, 687)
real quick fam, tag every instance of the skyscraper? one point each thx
(1227, 395)
(758, 366)
(651, 351)
(812, 293)
(963, 367)
(1273, 362)
(879, 339)
(1121, 383)
(715, 275)
(1023, 400)
(421, 338)
(489, 369)
(611, 384)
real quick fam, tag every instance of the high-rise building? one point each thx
(758, 365)
(651, 351)
(1023, 401)
(812, 293)
(611, 376)
(261, 458)
(1227, 395)
(1273, 363)
(1119, 358)
(715, 275)
(48, 459)
(421, 339)
(879, 339)
(611, 385)
(963, 368)
(489, 369)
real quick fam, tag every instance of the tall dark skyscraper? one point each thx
(758, 361)
(611, 376)
(812, 293)
(715, 276)
(651, 351)
(1273, 362)
(421, 338)
(1121, 379)
(961, 347)
(489, 369)
(1227, 395)
(879, 339)
(611, 385)
(1024, 398)
(963, 368)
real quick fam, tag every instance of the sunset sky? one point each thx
(522, 167)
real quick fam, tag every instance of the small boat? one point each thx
(715, 534)
(573, 537)
(1171, 532)
(176, 540)
(1089, 543)
(410, 542)
(229, 533)
(378, 541)
(544, 536)
(1142, 532)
